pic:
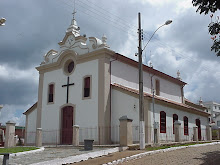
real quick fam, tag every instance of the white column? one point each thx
(39, 137)
(195, 133)
(10, 133)
(209, 132)
(75, 135)
(125, 131)
(177, 131)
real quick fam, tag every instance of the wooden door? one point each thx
(67, 125)
(199, 128)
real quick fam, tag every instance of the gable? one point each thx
(32, 108)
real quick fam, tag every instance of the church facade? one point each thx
(87, 84)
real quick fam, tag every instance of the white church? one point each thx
(85, 83)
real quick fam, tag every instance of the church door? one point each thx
(67, 125)
(199, 128)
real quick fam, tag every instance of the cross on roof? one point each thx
(74, 11)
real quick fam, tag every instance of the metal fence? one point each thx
(113, 133)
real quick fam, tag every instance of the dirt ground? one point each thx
(110, 157)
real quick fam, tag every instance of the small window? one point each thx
(175, 118)
(87, 87)
(158, 87)
(186, 129)
(219, 108)
(51, 93)
(162, 122)
(218, 123)
(215, 107)
(70, 66)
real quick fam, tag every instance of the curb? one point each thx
(25, 152)
(138, 156)
(78, 158)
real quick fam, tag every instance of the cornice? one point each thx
(107, 53)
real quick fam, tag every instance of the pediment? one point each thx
(49, 56)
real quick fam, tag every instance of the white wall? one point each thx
(123, 105)
(169, 122)
(86, 111)
(127, 75)
(31, 129)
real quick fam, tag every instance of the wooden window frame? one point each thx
(174, 121)
(163, 131)
(186, 127)
(83, 85)
(48, 93)
(157, 87)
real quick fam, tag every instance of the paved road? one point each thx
(205, 155)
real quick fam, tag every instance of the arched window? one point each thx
(158, 87)
(87, 87)
(186, 129)
(50, 93)
(175, 118)
(162, 122)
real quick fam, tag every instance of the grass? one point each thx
(169, 146)
(16, 149)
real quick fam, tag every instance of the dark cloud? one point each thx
(34, 27)
(20, 92)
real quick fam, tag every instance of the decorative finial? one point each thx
(178, 75)
(73, 26)
(150, 62)
(200, 101)
(104, 39)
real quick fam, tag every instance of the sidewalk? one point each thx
(48, 154)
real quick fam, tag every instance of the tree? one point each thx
(206, 6)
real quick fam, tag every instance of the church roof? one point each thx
(146, 68)
(30, 109)
(185, 106)
(195, 105)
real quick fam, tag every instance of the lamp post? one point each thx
(2, 21)
(141, 98)
(1, 106)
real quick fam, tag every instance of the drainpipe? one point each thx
(110, 68)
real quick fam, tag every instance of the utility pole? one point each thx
(141, 98)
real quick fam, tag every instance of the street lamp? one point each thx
(141, 98)
(2, 21)
(166, 23)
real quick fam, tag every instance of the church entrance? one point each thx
(199, 128)
(67, 125)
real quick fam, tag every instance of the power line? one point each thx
(108, 21)
(121, 27)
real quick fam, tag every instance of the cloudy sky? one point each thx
(34, 27)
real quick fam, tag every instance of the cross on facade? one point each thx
(67, 89)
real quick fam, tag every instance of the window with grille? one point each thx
(175, 118)
(87, 86)
(186, 129)
(162, 122)
(51, 93)
(158, 87)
